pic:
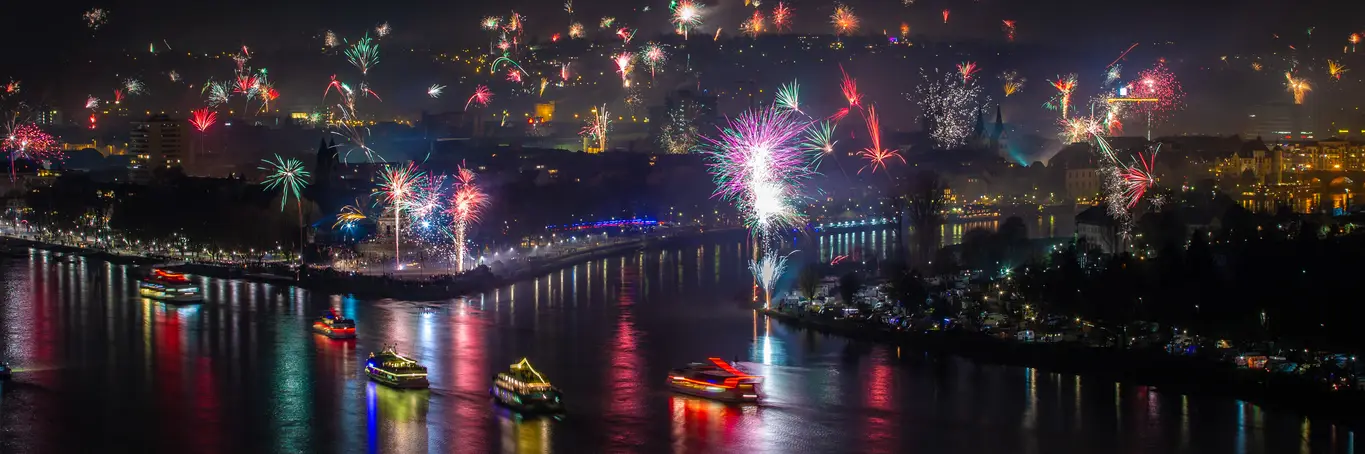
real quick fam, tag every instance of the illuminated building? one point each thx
(161, 142)
(1281, 121)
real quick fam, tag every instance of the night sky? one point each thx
(53, 52)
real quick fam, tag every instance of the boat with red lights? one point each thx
(390, 368)
(523, 389)
(169, 286)
(333, 325)
(716, 379)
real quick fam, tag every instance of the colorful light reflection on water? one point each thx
(241, 372)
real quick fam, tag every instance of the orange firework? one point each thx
(1353, 39)
(1009, 29)
(850, 89)
(1064, 86)
(905, 29)
(843, 19)
(1299, 87)
(1336, 69)
(754, 25)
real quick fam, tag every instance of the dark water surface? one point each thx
(104, 371)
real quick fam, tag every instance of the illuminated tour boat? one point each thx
(524, 389)
(716, 379)
(333, 325)
(390, 368)
(169, 286)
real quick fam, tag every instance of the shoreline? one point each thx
(377, 286)
(1176, 374)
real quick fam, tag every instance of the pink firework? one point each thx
(513, 76)
(782, 17)
(202, 119)
(876, 155)
(1158, 83)
(1137, 179)
(481, 95)
(623, 65)
(967, 70)
(945, 16)
(758, 163)
(118, 96)
(29, 141)
(246, 85)
(1009, 29)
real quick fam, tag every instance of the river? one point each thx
(101, 370)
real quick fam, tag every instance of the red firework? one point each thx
(1009, 29)
(850, 89)
(1159, 83)
(1137, 179)
(481, 95)
(876, 155)
(202, 119)
(945, 16)
(782, 16)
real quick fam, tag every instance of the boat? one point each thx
(333, 325)
(169, 286)
(716, 379)
(390, 368)
(523, 389)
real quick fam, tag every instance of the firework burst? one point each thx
(654, 56)
(597, 128)
(945, 14)
(491, 23)
(287, 175)
(575, 30)
(202, 119)
(1335, 69)
(1012, 82)
(606, 22)
(330, 40)
(1064, 85)
(788, 97)
(782, 17)
(967, 70)
(755, 25)
(686, 16)
(95, 18)
(679, 134)
(948, 105)
(876, 155)
(843, 20)
(349, 215)
(132, 86)
(466, 207)
(434, 91)
(28, 141)
(1009, 29)
(398, 186)
(364, 54)
(482, 95)
(1298, 86)
(624, 63)
(758, 164)
(819, 139)
(383, 30)
(92, 102)
(1156, 83)
(767, 270)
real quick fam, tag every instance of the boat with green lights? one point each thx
(716, 379)
(390, 368)
(524, 389)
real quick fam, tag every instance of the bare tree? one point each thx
(924, 208)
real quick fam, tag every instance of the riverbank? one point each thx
(379, 286)
(1168, 373)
